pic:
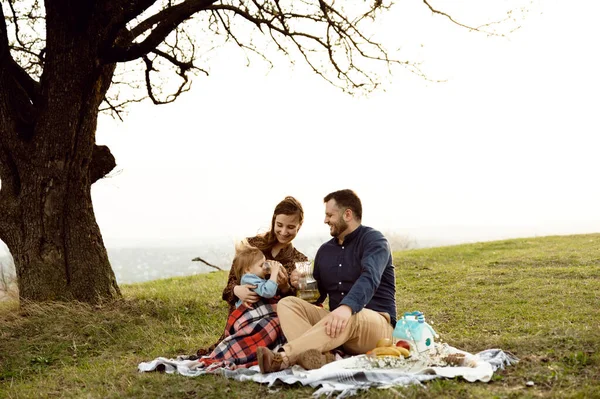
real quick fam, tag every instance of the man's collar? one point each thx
(349, 237)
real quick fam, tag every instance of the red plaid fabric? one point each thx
(246, 330)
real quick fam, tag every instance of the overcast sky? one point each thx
(508, 143)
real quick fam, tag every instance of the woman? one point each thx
(276, 245)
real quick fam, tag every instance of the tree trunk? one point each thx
(62, 255)
(49, 160)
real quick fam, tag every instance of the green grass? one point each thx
(538, 298)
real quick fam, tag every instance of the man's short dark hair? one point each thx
(346, 199)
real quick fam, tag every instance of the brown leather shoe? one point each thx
(269, 361)
(314, 359)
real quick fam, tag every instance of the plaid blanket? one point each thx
(246, 330)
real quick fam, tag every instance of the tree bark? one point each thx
(62, 255)
(49, 160)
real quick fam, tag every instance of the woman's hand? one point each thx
(282, 279)
(245, 293)
(294, 277)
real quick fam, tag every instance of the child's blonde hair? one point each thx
(245, 256)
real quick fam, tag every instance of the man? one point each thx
(355, 270)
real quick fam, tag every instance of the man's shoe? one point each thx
(313, 359)
(268, 361)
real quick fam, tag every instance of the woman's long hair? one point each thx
(288, 206)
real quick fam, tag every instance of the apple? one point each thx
(403, 344)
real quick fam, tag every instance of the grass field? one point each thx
(538, 298)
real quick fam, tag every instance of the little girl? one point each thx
(250, 267)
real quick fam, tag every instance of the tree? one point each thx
(58, 62)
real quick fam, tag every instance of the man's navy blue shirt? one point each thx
(358, 273)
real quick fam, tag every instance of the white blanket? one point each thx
(346, 377)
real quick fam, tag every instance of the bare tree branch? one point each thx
(332, 37)
(131, 9)
(472, 28)
(433, 10)
(160, 24)
(314, 30)
(240, 44)
(26, 44)
(199, 259)
(342, 41)
(184, 66)
(14, 14)
(114, 109)
(183, 87)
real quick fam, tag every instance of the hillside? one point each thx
(537, 298)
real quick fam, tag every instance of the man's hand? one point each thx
(245, 293)
(336, 321)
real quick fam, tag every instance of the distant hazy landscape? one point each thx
(142, 261)
(137, 262)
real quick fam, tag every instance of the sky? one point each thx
(505, 147)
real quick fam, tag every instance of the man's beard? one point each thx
(338, 228)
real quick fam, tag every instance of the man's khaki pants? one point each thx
(304, 329)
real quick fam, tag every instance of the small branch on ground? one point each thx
(199, 259)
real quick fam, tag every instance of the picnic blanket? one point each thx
(247, 328)
(346, 377)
